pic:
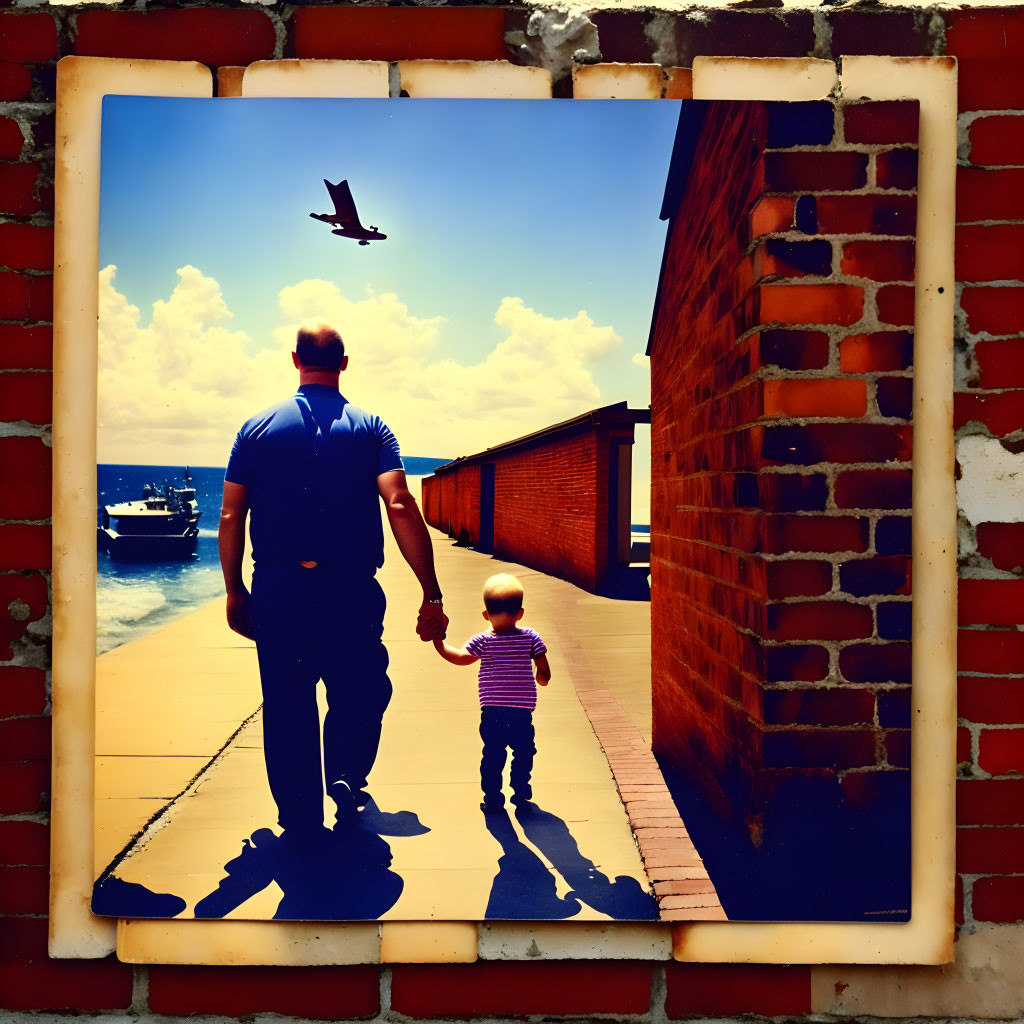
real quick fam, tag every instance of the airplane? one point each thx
(345, 216)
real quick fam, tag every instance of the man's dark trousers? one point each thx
(312, 624)
(501, 728)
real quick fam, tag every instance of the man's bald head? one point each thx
(320, 347)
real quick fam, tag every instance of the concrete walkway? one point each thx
(182, 793)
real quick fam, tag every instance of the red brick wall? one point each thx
(550, 506)
(781, 454)
(989, 46)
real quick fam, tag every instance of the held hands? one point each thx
(239, 617)
(431, 623)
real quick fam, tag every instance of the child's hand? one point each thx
(542, 680)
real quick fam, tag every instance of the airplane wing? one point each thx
(344, 204)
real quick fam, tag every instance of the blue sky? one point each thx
(554, 203)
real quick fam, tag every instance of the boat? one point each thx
(160, 525)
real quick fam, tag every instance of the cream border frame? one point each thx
(927, 938)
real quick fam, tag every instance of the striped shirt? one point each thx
(506, 667)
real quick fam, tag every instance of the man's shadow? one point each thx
(339, 875)
(525, 888)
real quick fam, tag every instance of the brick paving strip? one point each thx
(682, 886)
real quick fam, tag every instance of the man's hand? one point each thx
(431, 623)
(239, 617)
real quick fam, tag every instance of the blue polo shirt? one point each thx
(310, 465)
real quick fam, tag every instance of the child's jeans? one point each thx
(501, 728)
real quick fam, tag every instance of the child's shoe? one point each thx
(492, 803)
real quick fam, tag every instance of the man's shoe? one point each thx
(341, 794)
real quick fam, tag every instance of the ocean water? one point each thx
(135, 598)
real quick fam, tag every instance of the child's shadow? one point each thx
(622, 899)
(343, 875)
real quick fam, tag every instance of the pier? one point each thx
(183, 806)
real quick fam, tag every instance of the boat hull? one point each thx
(142, 547)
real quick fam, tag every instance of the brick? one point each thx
(989, 83)
(815, 533)
(621, 36)
(794, 578)
(875, 663)
(892, 535)
(995, 651)
(990, 802)
(15, 296)
(1000, 412)
(25, 739)
(806, 215)
(40, 298)
(28, 37)
(897, 748)
(895, 397)
(11, 139)
(879, 261)
(24, 787)
(1003, 543)
(984, 194)
(791, 492)
(873, 488)
(215, 37)
(999, 899)
(25, 547)
(17, 189)
(989, 851)
(869, 214)
(80, 985)
(26, 347)
(15, 81)
(24, 843)
(879, 32)
(894, 620)
(894, 708)
(885, 574)
(886, 121)
(830, 707)
(811, 303)
(678, 84)
(818, 620)
(1000, 363)
(985, 33)
(727, 989)
(27, 396)
(26, 247)
(994, 310)
(24, 890)
(836, 442)
(815, 172)
(771, 214)
(819, 748)
(392, 33)
(963, 745)
(23, 938)
(319, 993)
(883, 350)
(796, 663)
(508, 988)
(25, 599)
(896, 168)
(782, 33)
(781, 257)
(1001, 751)
(22, 691)
(799, 398)
(989, 252)
(988, 701)
(27, 460)
(997, 140)
(800, 124)
(990, 602)
(895, 305)
(794, 350)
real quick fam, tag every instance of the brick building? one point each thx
(986, 981)
(557, 500)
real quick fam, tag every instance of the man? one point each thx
(309, 473)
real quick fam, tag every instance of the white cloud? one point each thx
(177, 389)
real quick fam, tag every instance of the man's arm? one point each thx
(231, 545)
(414, 542)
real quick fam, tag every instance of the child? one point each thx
(508, 688)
